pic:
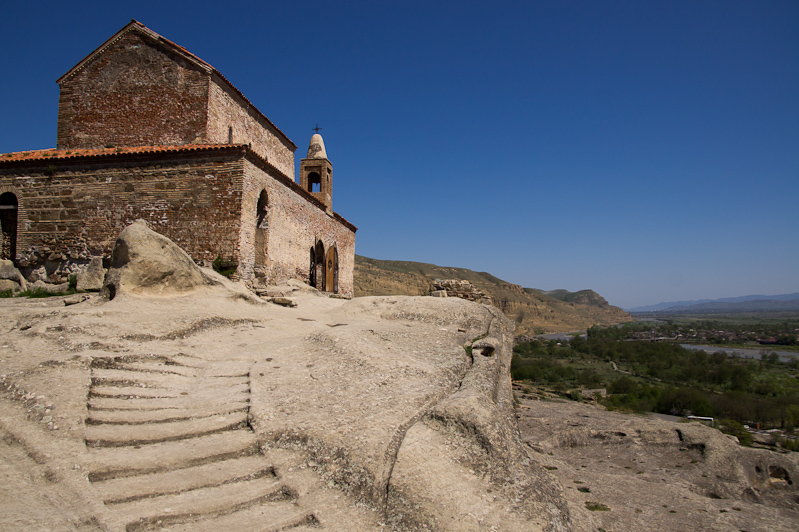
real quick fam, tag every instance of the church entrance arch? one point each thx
(319, 266)
(9, 208)
(331, 273)
(312, 268)
(261, 229)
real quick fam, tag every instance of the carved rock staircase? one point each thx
(170, 449)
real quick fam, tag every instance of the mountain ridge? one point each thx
(533, 310)
(698, 303)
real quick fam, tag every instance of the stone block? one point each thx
(11, 273)
(51, 288)
(8, 284)
(75, 299)
(92, 279)
(284, 301)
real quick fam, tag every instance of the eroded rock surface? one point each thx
(147, 263)
(199, 410)
(633, 472)
(144, 261)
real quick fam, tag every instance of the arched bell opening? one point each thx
(314, 182)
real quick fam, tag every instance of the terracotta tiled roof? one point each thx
(54, 154)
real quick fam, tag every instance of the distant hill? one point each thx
(533, 310)
(753, 303)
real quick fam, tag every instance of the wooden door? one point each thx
(331, 270)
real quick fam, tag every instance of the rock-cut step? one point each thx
(116, 435)
(197, 390)
(118, 462)
(160, 415)
(206, 370)
(110, 377)
(128, 489)
(113, 400)
(191, 506)
(268, 517)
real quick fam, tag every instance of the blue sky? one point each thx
(646, 150)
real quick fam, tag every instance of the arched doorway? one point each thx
(331, 274)
(319, 266)
(312, 269)
(9, 208)
(261, 229)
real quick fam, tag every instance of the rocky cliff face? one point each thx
(532, 310)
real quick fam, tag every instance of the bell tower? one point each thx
(316, 173)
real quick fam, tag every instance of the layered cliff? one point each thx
(532, 310)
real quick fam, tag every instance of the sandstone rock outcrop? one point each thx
(145, 262)
(631, 472)
(91, 279)
(10, 273)
(50, 288)
(208, 413)
(7, 285)
(392, 408)
(459, 288)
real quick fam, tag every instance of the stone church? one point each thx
(147, 130)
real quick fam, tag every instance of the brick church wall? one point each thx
(226, 109)
(78, 211)
(136, 93)
(206, 202)
(296, 222)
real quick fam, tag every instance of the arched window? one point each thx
(261, 218)
(9, 207)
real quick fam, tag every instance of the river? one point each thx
(785, 356)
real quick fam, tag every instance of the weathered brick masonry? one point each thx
(75, 206)
(140, 89)
(164, 99)
(146, 130)
(296, 222)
